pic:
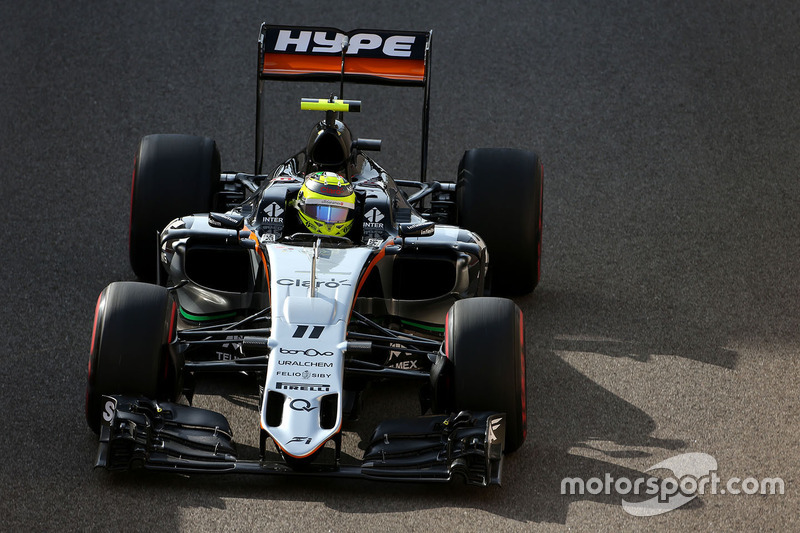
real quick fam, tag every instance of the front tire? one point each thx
(133, 326)
(484, 342)
(499, 197)
(173, 176)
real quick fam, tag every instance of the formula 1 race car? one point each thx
(317, 278)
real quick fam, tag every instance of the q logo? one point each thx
(301, 405)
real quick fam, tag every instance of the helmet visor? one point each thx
(330, 214)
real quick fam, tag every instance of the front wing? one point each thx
(141, 433)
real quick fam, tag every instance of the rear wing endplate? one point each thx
(304, 53)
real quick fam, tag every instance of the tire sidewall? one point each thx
(484, 342)
(499, 197)
(173, 176)
(134, 325)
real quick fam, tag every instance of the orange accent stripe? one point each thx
(298, 64)
(312, 452)
(301, 64)
(395, 69)
(263, 259)
(371, 265)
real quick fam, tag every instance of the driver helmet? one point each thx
(326, 204)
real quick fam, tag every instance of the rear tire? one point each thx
(484, 342)
(499, 197)
(173, 176)
(133, 326)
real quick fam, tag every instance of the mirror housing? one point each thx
(226, 221)
(416, 229)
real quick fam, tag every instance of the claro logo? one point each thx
(330, 284)
(319, 42)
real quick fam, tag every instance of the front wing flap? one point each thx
(469, 444)
(142, 433)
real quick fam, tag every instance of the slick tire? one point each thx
(173, 176)
(134, 324)
(484, 343)
(499, 197)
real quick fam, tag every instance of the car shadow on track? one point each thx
(578, 428)
(589, 323)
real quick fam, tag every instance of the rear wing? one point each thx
(381, 57)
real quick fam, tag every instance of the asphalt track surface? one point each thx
(667, 320)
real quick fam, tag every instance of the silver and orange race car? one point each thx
(315, 279)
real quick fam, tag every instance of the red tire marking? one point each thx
(130, 211)
(94, 330)
(447, 335)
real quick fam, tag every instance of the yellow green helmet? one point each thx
(326, 204)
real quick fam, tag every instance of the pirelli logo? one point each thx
(314, 387)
